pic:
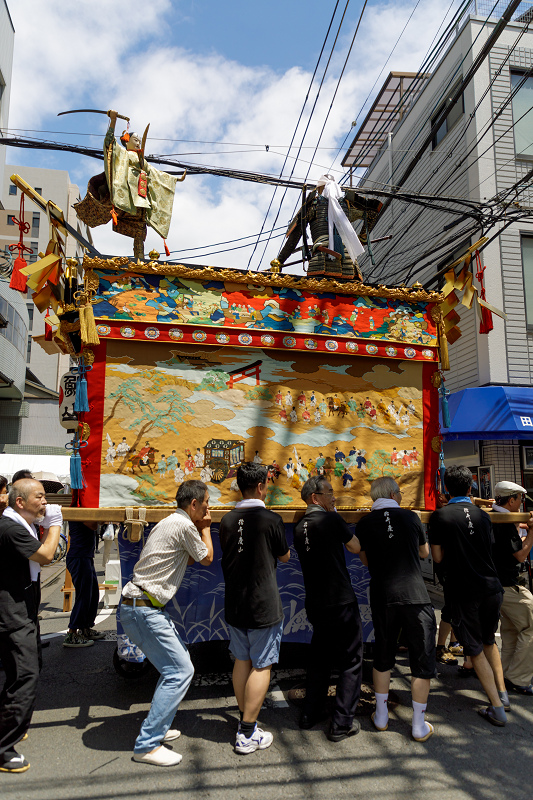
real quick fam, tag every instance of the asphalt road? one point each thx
(87, 717)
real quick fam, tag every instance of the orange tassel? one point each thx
(18, 281)
(167, 251)
(114, 216)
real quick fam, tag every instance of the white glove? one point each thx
(53, 516)
(109, 533)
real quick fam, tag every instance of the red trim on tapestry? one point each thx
(91, 456)
(430, 403)
(264, 339)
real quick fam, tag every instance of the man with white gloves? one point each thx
(21, 557)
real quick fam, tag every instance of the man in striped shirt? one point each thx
(182, 538)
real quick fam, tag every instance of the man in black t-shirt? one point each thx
(392, 543)
(510, 552)
(460, 533)
(80, 564)
(21, 552)
(320, 538)
(253, 541)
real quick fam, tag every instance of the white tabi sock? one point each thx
(420, 727)
(381, 717)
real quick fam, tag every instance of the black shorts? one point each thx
(475, 622)
(419, 630)
(445, 615)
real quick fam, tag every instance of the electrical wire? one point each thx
(260, 145)
(225, 250)
(302, 111)
(453, 171)
(330, 106)
(219, 244)
(420, 77)
(341, 147)
(390, 251)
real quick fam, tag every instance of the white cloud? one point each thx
(96, 54)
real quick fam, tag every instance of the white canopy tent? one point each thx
(12, 462)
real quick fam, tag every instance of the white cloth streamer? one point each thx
(336, 216)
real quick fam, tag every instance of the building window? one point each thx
(28, 353)
(35, 223)
(16, 331)
(38, 189)
(527, 265)
(10, 219)
(12, 189)
(452, 118)
(522, 114)
(30, 315)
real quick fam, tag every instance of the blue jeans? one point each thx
(153, 631)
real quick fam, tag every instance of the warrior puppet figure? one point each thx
(329, 215)
(131, 192)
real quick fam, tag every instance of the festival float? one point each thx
(185, 372)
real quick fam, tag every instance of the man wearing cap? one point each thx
(510, 552)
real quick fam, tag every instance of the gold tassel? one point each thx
(89, 334)
(436, 314)
(443, 346)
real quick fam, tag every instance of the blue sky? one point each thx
(235, 72)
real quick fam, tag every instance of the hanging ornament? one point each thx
(486, 324)
(81, 402)
(443, 392)
(439, 476)
(18, 280)
(77, 480)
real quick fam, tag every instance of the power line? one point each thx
(219, 244)
(451, 101)
(302, 110)
(225, 250)
(331, 103)
(453, 173)
(260, 145)
(421, 75)
(339, 150)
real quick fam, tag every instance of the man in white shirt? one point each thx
(181, 538)
(21, 557)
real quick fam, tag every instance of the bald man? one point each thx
(21, 557)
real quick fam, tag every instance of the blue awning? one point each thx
(490, 412)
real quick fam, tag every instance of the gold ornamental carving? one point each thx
(88, 356)
(276, 280)
(436, 444)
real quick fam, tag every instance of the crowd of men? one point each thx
(480, 568)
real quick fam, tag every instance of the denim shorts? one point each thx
(260, 645)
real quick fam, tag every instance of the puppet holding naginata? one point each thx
(329, 212)
(131, 191)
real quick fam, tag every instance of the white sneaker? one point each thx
(170, 735)
(160, 757)
(259, 740)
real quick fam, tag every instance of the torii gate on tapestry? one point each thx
(240, 374)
